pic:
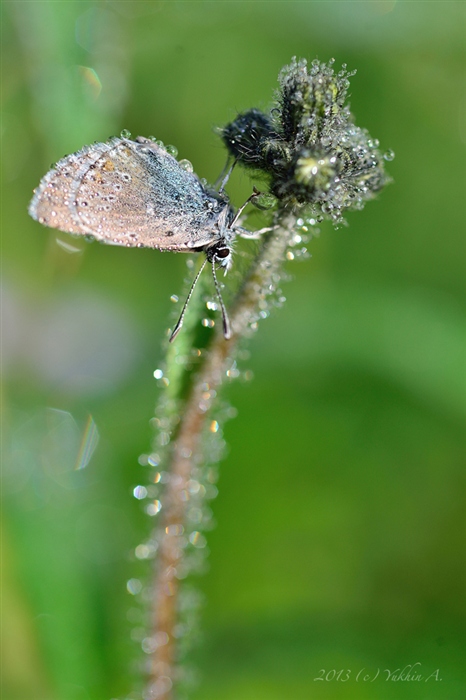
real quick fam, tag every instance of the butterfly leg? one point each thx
(252, 235)
(225, 175)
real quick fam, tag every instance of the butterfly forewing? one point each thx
(129, 193)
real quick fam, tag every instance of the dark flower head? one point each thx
(316, 159)
(246, 135)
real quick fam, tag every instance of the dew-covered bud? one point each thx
(315, 158)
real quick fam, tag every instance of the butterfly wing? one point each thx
(130, 193)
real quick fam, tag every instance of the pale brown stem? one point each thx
(260, 282)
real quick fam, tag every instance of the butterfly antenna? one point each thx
(225, 319)
(256, 193)
(177, 328)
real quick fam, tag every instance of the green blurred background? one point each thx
(340, 530)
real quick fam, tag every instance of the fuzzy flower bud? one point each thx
(317, 160)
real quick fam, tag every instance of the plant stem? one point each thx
(260, 282)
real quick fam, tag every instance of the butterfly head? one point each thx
(220, 253)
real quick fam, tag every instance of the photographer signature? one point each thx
(411, 672)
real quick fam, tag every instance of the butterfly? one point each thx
(136, 194)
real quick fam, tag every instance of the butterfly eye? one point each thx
(222, 253)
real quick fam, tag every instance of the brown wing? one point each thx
(52, 204)
(128, 193)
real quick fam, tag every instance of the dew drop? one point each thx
(211, 491)
(149, 645)
(234, 372)
(164, 438)
(172, 150)
(134, 586)
(159, 688)
(193, 486)
(197, 539)
(389, 155)
(142, 551)
(153, 460)
(154, 508)
(158, 374)
(140, 492)
(180, 630)
(186, 165)
(195, 515)
(264, 201)
(174, 530)
(125, 134)
(208, 322)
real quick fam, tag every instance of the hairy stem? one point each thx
(260, 282)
